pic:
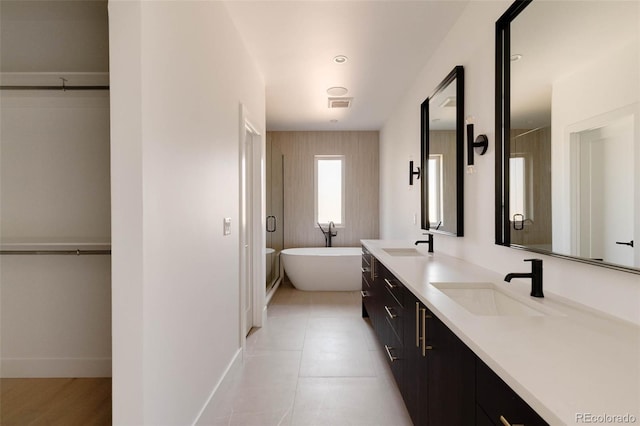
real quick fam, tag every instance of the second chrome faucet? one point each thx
(535, 275)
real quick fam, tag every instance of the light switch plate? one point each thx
(227, 226)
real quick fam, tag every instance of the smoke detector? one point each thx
(340, 102)
(337, 91)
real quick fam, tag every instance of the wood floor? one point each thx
(55, 402)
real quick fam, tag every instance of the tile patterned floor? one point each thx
(314, 363)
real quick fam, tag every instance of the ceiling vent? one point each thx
(340, 102)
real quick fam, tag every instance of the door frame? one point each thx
(256, 228)
(572, 135)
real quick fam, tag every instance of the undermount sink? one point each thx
(402, 252)
(486, 299)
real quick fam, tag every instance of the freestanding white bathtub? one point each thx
(323, 268)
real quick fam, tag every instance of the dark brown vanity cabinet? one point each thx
(440, 378)
(498, 404)
(382, 297)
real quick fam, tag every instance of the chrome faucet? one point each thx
(429, 241)
(328, 234)
(535, 275)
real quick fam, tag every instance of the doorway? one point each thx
(251, 239)
(605, 194)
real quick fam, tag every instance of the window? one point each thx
(517, 182)
(329, 189)
(435, 191)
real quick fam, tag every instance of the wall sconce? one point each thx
(481, 143)
(413, 173)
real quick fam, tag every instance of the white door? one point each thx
(607, 192)
(246, 260)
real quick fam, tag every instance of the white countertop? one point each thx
(576, 361)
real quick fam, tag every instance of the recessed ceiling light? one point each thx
(337, 91)
(340, 59)
(449, 102)
(516, 57)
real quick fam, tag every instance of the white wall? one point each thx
(55, 311)
(178, 75)
(593, 93)
(471, 43)
(56, 316)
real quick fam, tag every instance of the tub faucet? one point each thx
(429, 241)
(328, 234)
(535, 275)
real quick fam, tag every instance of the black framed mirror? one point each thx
(568, 131)
(442, 156)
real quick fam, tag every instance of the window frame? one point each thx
(333, 157)
(436, 190)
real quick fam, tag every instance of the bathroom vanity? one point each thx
(466, 348)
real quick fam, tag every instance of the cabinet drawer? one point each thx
(393, 311)
(366, 256)
(481, 418)
(394, 288)
(394, 318)
(366, 280)
(394, 351)
(496, 399)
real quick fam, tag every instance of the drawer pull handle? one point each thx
(417, 325)
(364, 270)
(372, 268)
(389, 349)
(391, 314)
(423, 338)
(364, 294)
(390, 284)
(505, 422)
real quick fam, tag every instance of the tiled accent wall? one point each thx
(360, 149)
(535, 146)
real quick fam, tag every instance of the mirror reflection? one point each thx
(571, 147)
(442, 144)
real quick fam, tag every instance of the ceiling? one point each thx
(294, 42)
(557, 39)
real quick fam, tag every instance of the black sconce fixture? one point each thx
(413, 173)
(480, 142)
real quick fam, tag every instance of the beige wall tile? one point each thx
(360, 149)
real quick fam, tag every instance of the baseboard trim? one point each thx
(54, 367)
(233, 366)
(272, 291)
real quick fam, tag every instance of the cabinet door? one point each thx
(498, 400)
(394, 350)
(372, 292)
(377, 296)
(450, 377)
(414, 382)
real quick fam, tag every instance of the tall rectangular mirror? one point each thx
(568, 130)
(442, 143)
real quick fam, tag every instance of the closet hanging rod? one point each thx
(60, 88)
(63, 86)
(77, 252)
